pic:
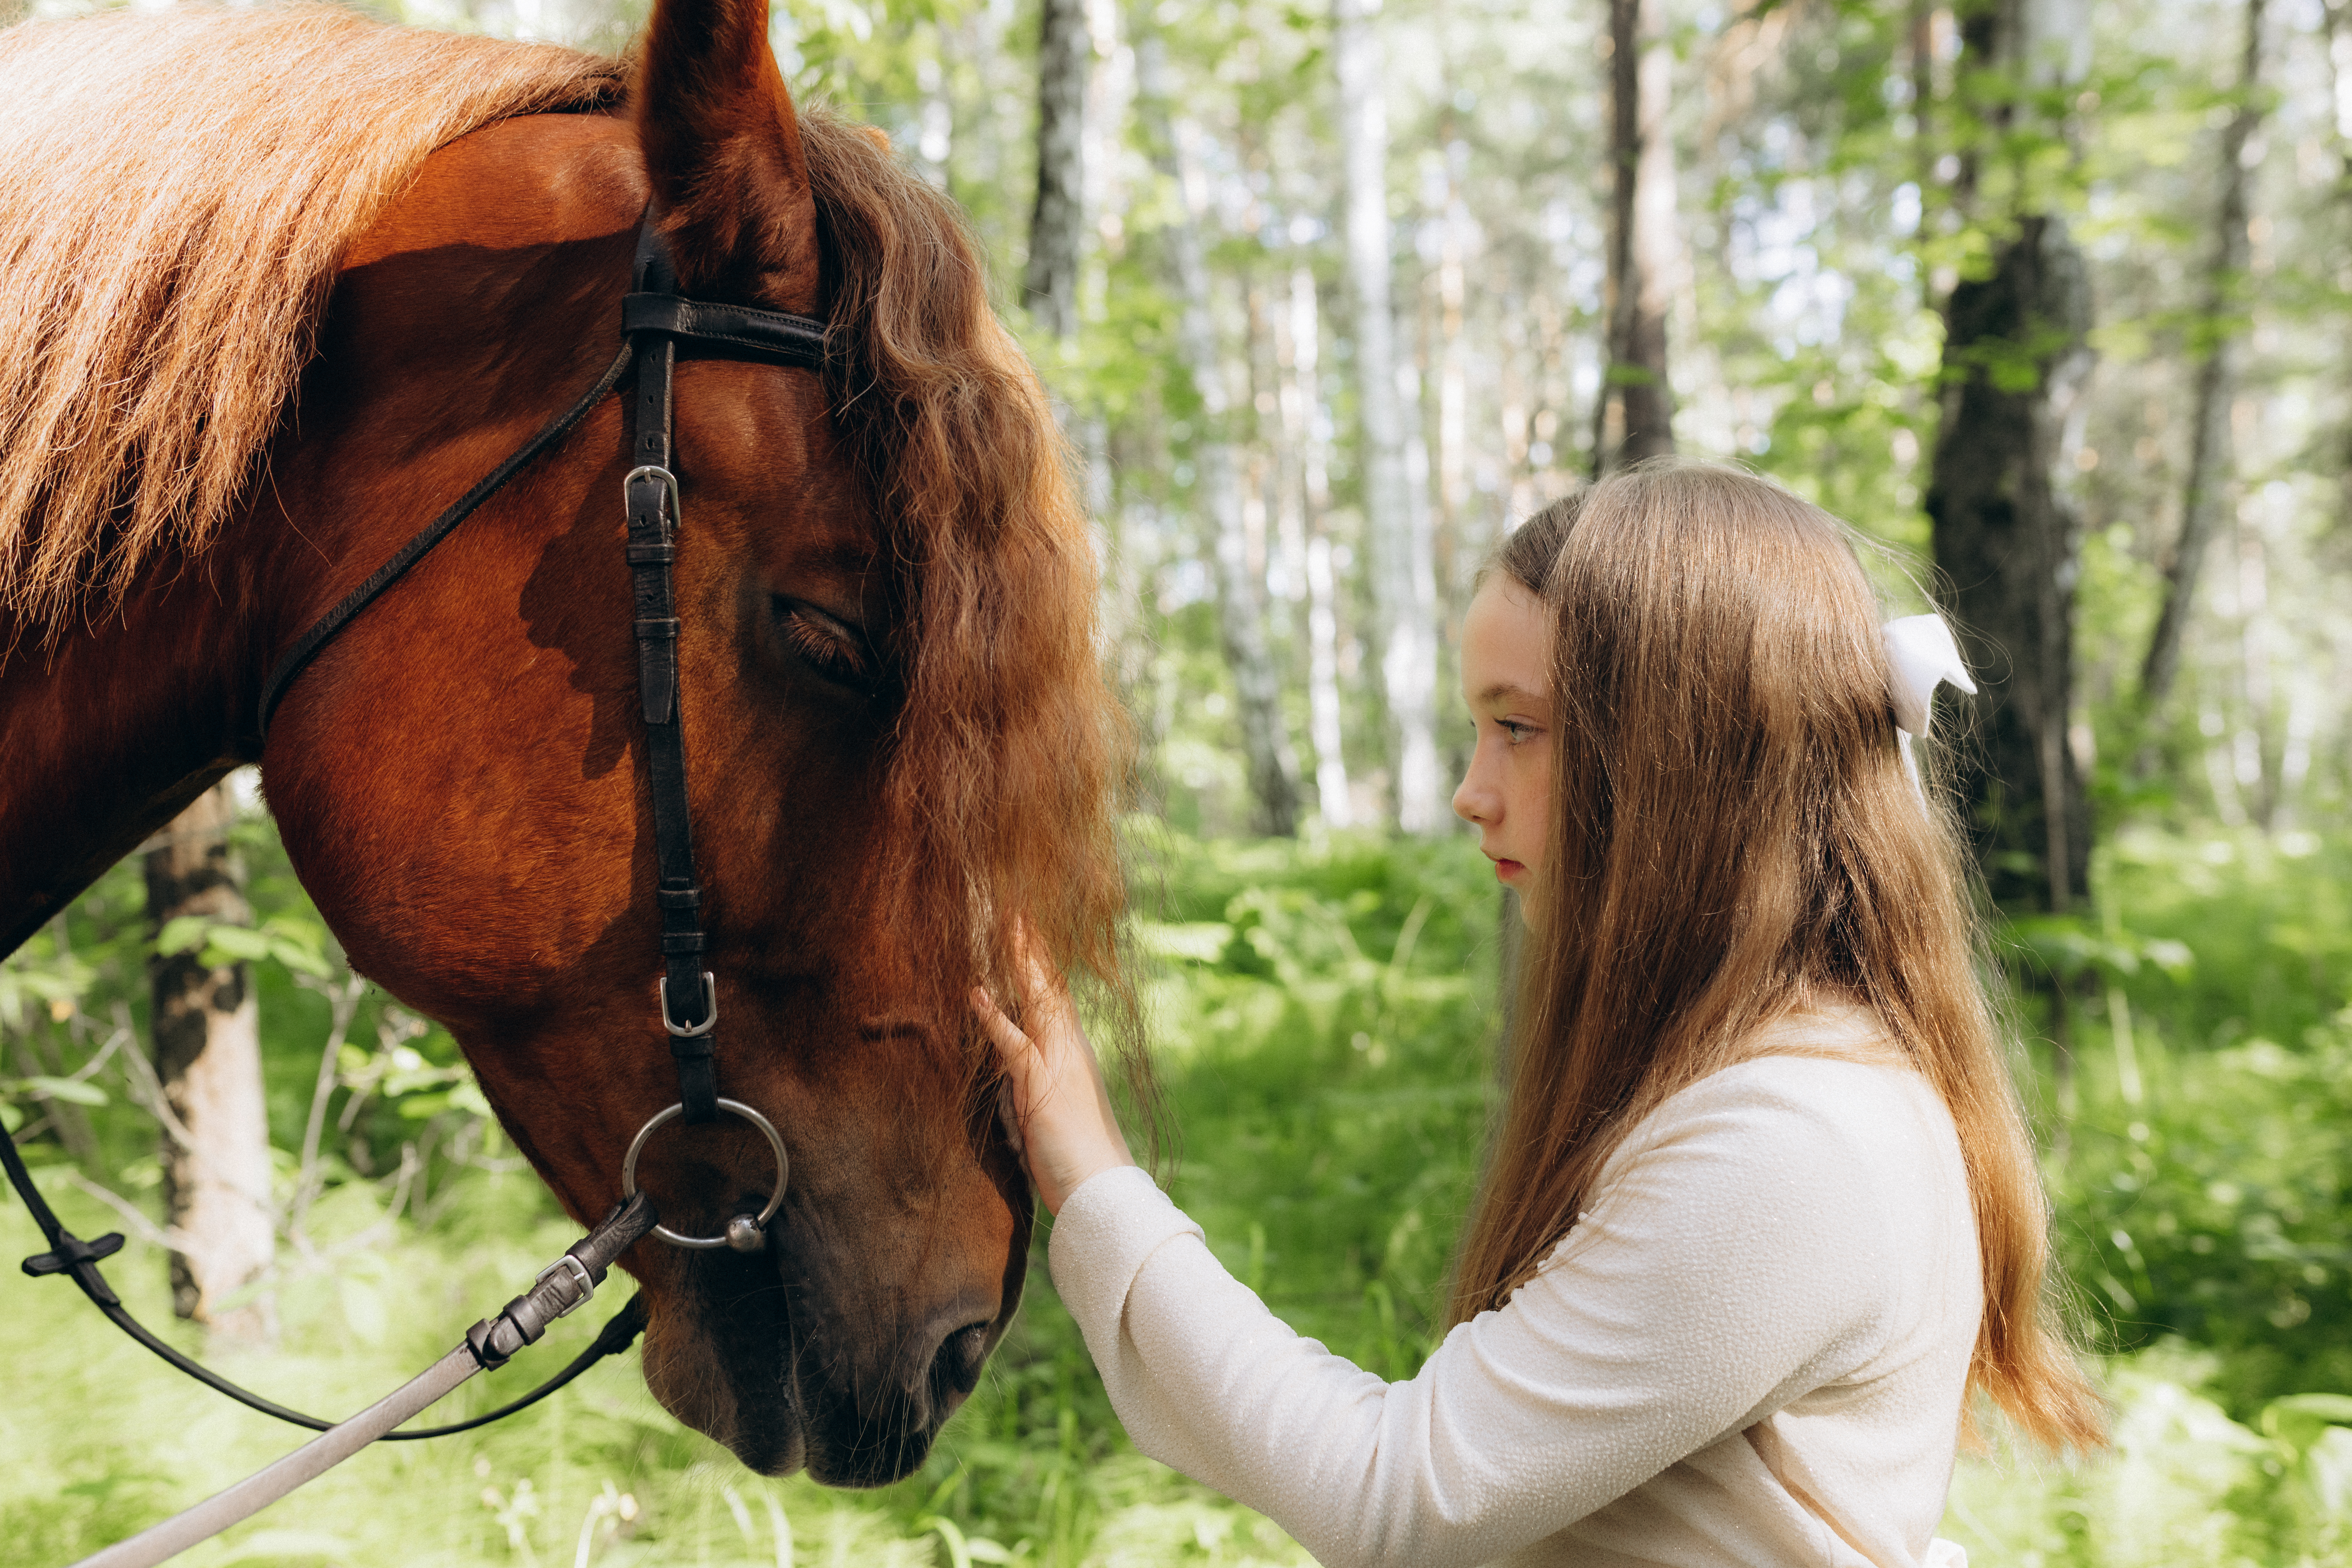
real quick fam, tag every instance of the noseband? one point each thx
(655, 318)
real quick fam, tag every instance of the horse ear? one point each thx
(722, 148)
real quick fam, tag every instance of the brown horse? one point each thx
(280, 287)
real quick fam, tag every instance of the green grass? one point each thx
(1323, 1018)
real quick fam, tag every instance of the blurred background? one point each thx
(2047, 297)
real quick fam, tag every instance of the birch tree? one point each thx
(1323, 708)
(1396, 522)
(215, 1140)
(1272, 761)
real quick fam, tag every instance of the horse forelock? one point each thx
(177, 191)
(1010, 753)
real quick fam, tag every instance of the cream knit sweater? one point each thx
(1751, 1350)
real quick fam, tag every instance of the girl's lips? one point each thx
(1506, 869)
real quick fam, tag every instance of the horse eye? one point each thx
(831, 646)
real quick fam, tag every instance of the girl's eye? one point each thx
(832, 649)
(1518, 731)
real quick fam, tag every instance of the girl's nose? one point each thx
(1472, 801)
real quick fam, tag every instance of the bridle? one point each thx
(655, 318)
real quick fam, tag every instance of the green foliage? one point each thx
(1325, 1039)
(1324, 1014)
(2184, 1485)
(2213, 1205)
(294, 940)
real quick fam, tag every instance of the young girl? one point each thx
(1761, 1210)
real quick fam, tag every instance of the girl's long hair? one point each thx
(1733, 838)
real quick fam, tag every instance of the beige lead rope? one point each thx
(563, 1286)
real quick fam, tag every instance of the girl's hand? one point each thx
(1059, 1103)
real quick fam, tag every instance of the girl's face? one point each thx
(1506, 680)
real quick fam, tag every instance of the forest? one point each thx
(2047, 299)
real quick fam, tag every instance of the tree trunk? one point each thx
(1396, 524)
(1325, 723)
(208, 1058)
(2015, 359)
(1634, 419)
(1241, 593)
(1057, 224)
(2014, 349)
(2212, 453)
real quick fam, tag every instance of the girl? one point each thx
(1762, 1209)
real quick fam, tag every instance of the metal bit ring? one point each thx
(743, 1233)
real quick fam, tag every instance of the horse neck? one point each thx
(111, 728)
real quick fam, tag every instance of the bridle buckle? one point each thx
(580, 1279)
(710, 1008)
(669, 482)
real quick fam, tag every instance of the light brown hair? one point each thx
(177, 192)
(1733, 838)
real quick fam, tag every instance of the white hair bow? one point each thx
(1920, 654)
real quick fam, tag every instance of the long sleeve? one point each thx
(1737, 1256)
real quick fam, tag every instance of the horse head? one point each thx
(893, 725)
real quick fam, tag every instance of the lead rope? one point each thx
(561, 1287)
(78, 1259)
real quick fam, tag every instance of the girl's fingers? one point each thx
(1041, 981)
(1011, 1043)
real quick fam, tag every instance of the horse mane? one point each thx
(1010, 753)
(177, 192)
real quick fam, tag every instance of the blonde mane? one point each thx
(177, 191)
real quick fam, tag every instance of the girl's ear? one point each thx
(723, 148)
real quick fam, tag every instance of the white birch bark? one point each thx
(1241, 608)
(207, 1041)
(1396, 524)
(1304, 419)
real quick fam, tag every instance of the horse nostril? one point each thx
(961, 1357)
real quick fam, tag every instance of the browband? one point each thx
(796, 340)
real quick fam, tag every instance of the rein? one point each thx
(655, 318)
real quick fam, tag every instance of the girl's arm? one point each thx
(1736, 1259)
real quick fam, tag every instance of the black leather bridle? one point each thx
(655, 318)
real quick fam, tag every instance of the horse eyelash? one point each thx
(821, 649)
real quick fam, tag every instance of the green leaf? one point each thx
(180, 933)
(228, 944)
(67, 1089)
(959, 1553)
(2335, 1409)
(1201, 942)
(296, 955)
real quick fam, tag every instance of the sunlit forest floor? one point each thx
(1323, 1016)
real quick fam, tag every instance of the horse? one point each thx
(281, 284)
